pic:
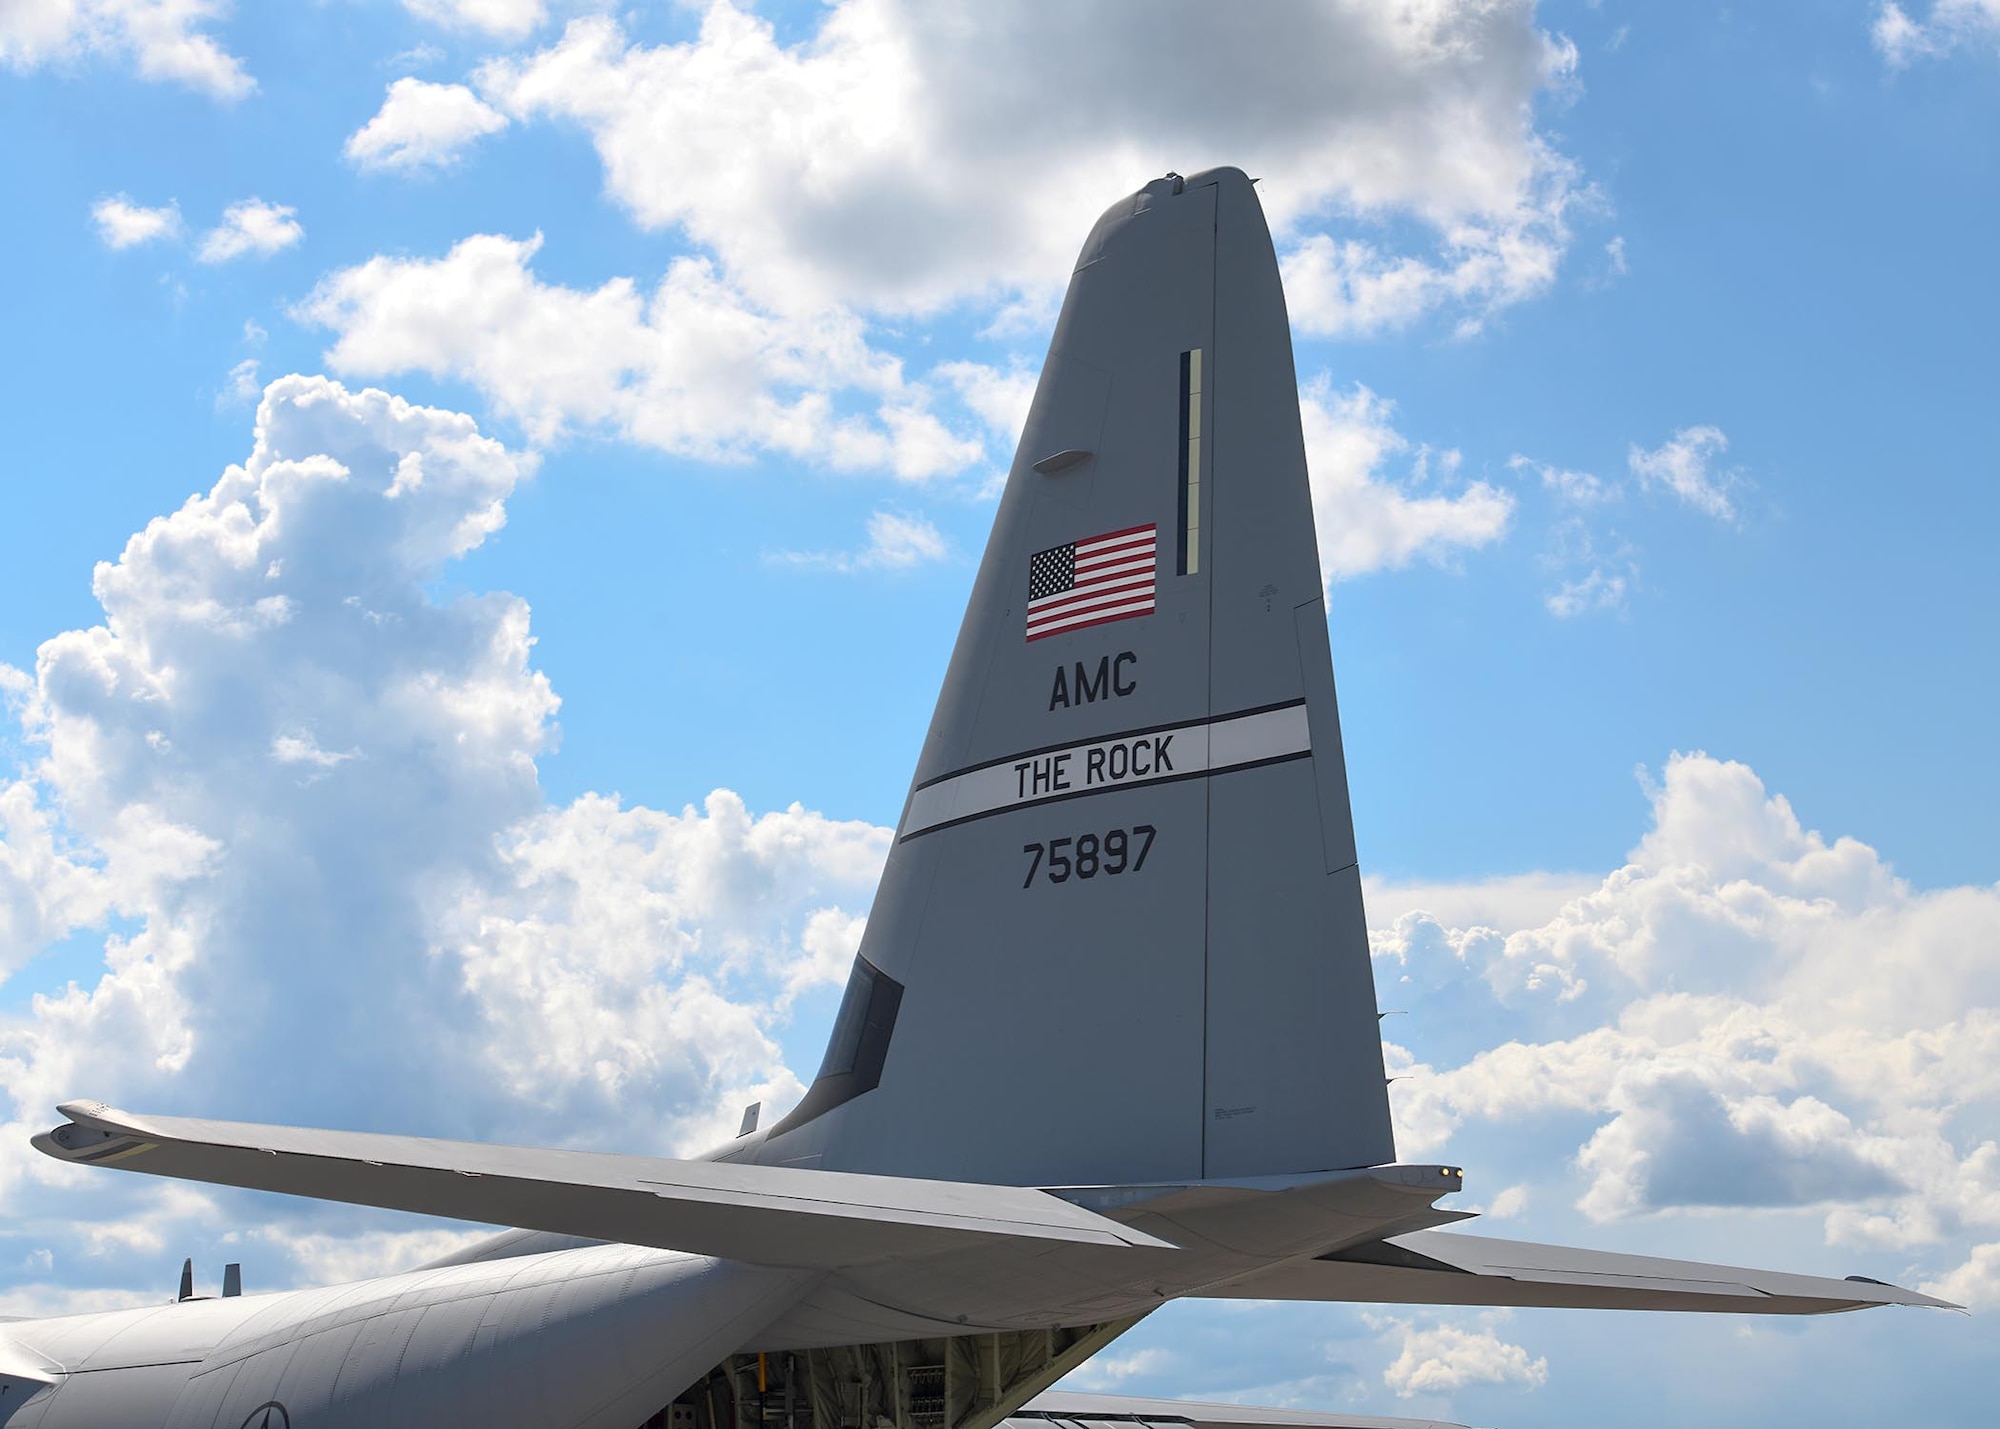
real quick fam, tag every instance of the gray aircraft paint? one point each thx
(1211, 1014)
(597, 1337)
(1079, 1036)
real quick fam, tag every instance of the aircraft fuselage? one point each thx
(599, 1336)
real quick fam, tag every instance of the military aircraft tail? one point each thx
(1120, 938)
(1116, 975)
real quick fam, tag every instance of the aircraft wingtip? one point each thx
(94, 1132)
(1899, 1295)
(88, 1112)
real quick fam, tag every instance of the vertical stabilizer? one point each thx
(1120, 934)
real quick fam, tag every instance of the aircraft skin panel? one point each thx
(133, 1397)
(1103, 1037)
(127, 1337)
(1129, 314)
(754, 1213)
(1446, 1268)
(1102, 972)
(1283, 1071)
(598, 1337)
(1294, 1057)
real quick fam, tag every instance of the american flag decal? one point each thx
(1089, 582)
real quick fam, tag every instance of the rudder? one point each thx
(1119, 937)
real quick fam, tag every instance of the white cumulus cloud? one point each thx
(1946, 25)
(124, 224)
(608, 963)
(1975, 1284)
(1441, 1358)
(292, 796)
(1352, 287)
(1597, 589)
(691, 367)
(896, 542)
(931, 154)
(1000, 397)
(1110, 1371)
(46, 887)
(422, 126)
(1369, 519)
(241, 386)
(1685, 466)
(162, 39)
(932, 165)
(1594, 571)
(502, 19)
(251, 226)
(1511, 1201)
(1571, 488)
(1747, 1014)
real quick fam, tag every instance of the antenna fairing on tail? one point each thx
(1122, 917)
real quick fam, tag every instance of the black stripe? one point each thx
(1104, 789)
(1180, 558)
(858, 1048)
(112, 1148)
(1177, 725)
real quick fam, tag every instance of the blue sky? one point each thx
(1647, 365)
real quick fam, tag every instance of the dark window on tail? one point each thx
(1187, 549)
(858, 1047)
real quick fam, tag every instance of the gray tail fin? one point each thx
(1120, 936)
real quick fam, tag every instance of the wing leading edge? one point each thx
(763, 1215)
(1445, 1268)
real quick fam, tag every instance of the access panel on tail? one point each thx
(1120, 938)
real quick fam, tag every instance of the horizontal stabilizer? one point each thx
(1444, 1268)
(1118, 1411)
(764, 1215)
(23, 1370)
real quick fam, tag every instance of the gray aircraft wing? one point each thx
(765, 1215)
(1064, 1410)
(1446, 1268)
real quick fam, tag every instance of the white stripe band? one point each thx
(1089, 595)
(1131, 540)
(1138, 603)
(1188, 751)
(1118, 565)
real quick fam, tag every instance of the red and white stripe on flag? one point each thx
(1092, 581)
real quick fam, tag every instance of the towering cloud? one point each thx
(293, 795)
(936, 153)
